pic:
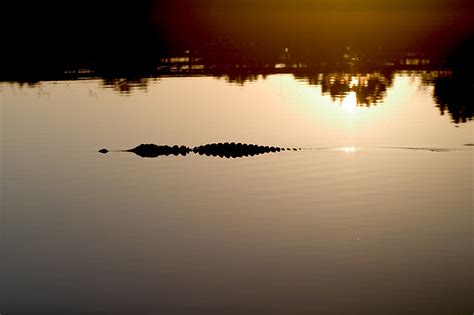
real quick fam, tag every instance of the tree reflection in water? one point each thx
(454, 96)
(369, 89)
(367, 79)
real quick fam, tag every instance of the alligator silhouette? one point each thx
(223, 150)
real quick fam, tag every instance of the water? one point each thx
(374, 215)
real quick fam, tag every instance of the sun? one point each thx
(349, 103)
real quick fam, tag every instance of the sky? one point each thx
(143, 28)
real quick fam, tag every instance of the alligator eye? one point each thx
(103, 151)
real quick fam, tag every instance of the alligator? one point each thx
(237, 150)
(223, 150)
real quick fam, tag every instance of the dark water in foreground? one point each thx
(373, 216)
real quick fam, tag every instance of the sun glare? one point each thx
(349, 103)
(349, 149)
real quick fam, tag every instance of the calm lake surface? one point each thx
(374, 215)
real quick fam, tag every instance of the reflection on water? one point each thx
(451, 92)
(369, 89)
(454, 96)
(375, 219)
(348, 74)
(346, 71)
(127, 85)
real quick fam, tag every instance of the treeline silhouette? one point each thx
(42, 37)
(452, 87)
(369, 89)
(223, 150)
(127, 45)
(453, 94)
